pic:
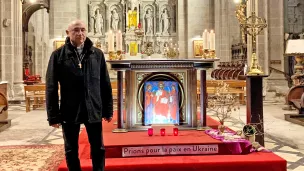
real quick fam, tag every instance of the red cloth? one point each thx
(253, 162)
(258, 161)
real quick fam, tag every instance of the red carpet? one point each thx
(114, 162)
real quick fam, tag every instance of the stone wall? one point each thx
(199, 16)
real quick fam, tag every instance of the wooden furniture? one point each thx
(239, 52)
(237, 87)
(35, 93)
(229, 71)
(3, 102)
(115, 90)
(295, 97)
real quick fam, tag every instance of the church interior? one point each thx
(195, 83)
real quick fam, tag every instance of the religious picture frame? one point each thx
(133, 48)
(58, 44)
(161, 103)
(197, 48)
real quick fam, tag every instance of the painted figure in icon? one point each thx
(149, 106)
(161, 102)
(173, 103)
(161, 108)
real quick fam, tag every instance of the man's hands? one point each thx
(56, 125)
(108, 119)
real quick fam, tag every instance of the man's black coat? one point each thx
(90, 82)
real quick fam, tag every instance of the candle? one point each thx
(150, 131)
(110, 41)
(118, 41)
(175, 131)
(212, 40)
(162, 131)
(205, 39)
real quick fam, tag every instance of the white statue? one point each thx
(98, 26)
(134, 4)
(165, 23)
(149, 21)
(115, 20)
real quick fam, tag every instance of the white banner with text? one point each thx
(169, 150)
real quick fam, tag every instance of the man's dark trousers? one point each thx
(71, 135)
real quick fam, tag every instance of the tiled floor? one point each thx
(283, 138)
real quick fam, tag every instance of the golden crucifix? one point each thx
(253, 25)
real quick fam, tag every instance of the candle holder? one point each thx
(212, 54)
(175, 131)
(206, 54)
(119, 55)
(162, 131)
(148, 49)
(150, 131)
(112, 55)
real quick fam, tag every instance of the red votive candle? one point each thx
(175, 131)
(150, 131)
(163, 132)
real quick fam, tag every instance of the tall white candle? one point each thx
(212, 40)
(118, 40)
(205, 39)
(110, 41)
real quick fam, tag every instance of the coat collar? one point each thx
(88, 46)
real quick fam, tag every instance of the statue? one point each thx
(133, 4)
(165, 23)
(98, 26)
(115, 20)
(149, 22)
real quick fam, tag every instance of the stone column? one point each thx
(11, 48)
(276, 80)
(227, 29)
(18, 51)
(182, 29)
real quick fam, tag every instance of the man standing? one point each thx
(86, 94)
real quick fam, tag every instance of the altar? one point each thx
(178, 75)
